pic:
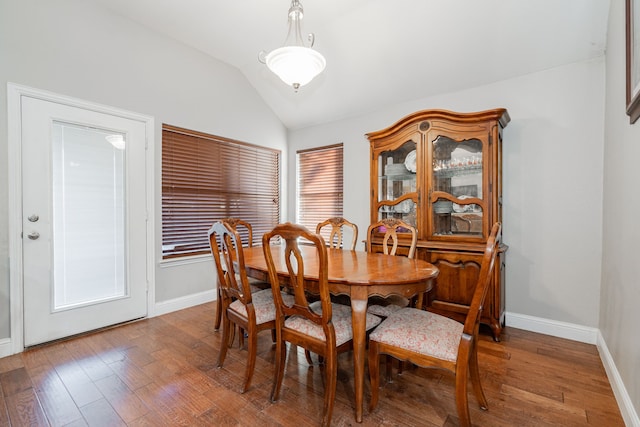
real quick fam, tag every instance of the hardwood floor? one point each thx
(162, 371)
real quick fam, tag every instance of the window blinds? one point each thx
(206, 178)
(320, 185)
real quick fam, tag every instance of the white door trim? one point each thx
(14, 94)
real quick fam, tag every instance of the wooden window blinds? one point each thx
(320, 184)
(206, 178)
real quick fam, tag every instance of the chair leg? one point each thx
(281, 356)
(216, 325)
(240, 337)
(252, 344)
(374, 373)
(475, 378)
(232, 336)
(389, 368)
(224, 343)
(462, 402)
(331, 378)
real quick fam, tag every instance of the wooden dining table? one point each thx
(358, 275)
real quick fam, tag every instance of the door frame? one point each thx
(15, 93)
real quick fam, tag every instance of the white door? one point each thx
(83, 220)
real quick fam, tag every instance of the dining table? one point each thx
(358, 275)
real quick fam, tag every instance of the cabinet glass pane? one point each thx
(452, 218)
(397, 178)
(405, 210)
(457, 171)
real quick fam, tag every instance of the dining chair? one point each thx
(244, 228)
(336, 240)
(391, 227)
(251, 312)
(336, 236)
(430, 340)
(321, 326)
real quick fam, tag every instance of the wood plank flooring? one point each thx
(162, 372)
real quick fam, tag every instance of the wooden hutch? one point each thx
(442, 172)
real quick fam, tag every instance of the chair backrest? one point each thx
(336, 236)
(391, 227)
(472, 321)
(226, 248)
(243, 228)
(290, 235)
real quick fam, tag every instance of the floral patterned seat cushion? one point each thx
(421, 332)
(383, 307)
(383, 310)
(341, 319)
(262, 304)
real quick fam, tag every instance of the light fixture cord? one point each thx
(294, 34)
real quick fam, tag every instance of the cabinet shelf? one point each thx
(458, 171)
(405, 177)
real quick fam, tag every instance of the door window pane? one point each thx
(88, 215)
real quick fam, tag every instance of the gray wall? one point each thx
(74, 48)
(620, 292)
(552, 182)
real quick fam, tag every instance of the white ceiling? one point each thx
(382, 52)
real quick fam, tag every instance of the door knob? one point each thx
(33, 218)
(34, 235)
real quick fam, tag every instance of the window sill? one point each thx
(194, 259)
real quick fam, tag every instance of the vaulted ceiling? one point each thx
(381, 52)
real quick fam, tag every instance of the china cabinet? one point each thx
(441, 172)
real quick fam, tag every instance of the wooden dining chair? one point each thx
(245, 230)
(251, 312)
(430, 340)
(391, 227)
(336, 240)
(321, 326)
(336, 236)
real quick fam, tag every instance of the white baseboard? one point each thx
(164, 307)
(629, 414)
(6, 348)
(169, 306)
(555, 328)
(587, 335)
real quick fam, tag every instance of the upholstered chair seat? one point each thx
(341, 322)
(421, 332)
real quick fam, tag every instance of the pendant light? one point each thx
(294, 63)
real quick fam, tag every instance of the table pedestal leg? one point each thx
(359, 319)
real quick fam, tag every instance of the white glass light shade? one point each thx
(295, 65)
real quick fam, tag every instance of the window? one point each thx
(320, 176)
(206, 178)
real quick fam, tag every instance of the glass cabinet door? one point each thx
(397, 196)
(457, 187)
